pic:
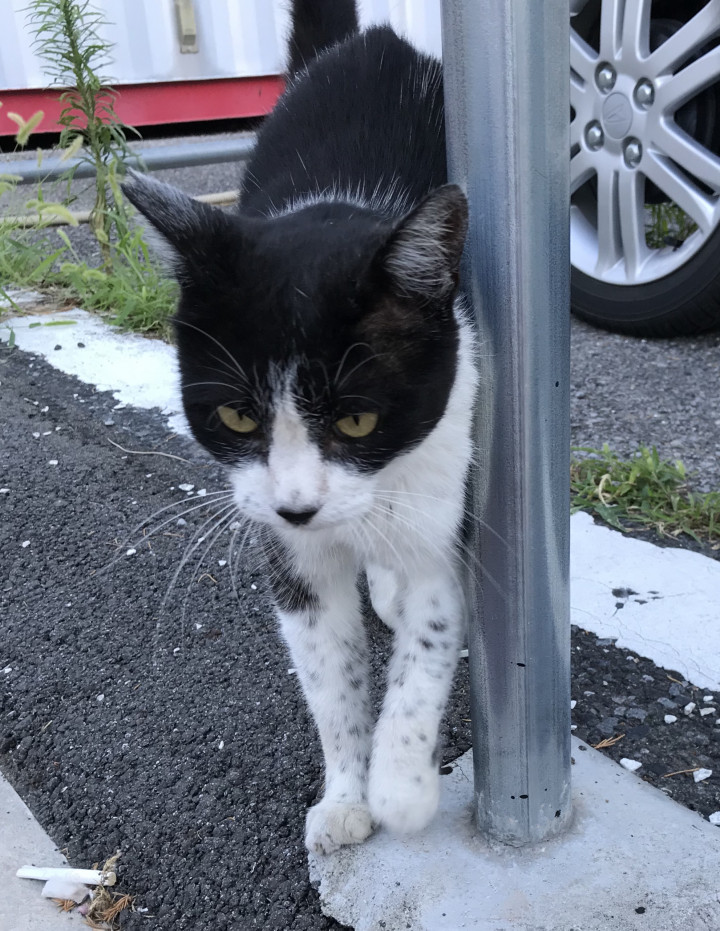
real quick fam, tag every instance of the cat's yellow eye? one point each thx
(235, 421)
(357, 425)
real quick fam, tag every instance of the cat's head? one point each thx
(315, 347)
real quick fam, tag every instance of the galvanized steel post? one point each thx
(507, 73)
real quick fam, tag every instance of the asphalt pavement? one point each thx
(158, 714)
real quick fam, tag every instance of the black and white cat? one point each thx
(326, 360)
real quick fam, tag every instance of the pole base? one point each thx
(632, 858)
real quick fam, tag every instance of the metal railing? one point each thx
(179, 155)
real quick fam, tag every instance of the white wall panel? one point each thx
(417, 20)
(236, 38)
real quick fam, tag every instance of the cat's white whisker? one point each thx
(196, 541)
(133, 540)
(237, 368)
(457, 551)
(391, 495)
(235, 551)
(223, 519)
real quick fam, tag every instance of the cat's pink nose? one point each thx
(297, 517)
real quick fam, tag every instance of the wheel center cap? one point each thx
(617, 115)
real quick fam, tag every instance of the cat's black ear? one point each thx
(422, 256)
(186, 228)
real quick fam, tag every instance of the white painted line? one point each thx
(660, 602)
(139, 371)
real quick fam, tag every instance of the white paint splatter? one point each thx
(700, 775)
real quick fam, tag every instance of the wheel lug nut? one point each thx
(605, 76)
(644, 93)
(632, 152)
(594, 136)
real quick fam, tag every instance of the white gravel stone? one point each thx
(701, 774)
(714, 818)
(4, 491)
(670, 719)
(52, 462)
(131, 551)
(708, 698)
(689, 708)
(706, 711)
(186, 487)
(25, 544)
(572, 704)
(632, 765)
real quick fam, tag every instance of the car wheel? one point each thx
(645, 164)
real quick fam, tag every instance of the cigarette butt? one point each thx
(89, 877)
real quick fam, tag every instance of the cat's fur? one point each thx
(332, 291)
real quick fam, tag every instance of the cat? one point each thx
(326, 360)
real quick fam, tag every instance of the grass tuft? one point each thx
(644, 491)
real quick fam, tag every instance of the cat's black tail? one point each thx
(316, 25)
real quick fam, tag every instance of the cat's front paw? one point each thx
(330, 825)
(404, 799)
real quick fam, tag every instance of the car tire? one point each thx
(685, 303)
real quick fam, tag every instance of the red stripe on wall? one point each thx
(155, 104)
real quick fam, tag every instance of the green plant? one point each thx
(67, 38)
(25, 259)
(644, 490)
(133, 290)
(667, 225)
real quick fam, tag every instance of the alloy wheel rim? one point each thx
(624, 133)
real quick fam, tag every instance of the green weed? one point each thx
(67, 39)
(667, 225)
(644, 490)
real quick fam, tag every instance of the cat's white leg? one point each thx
(384, 588)
(322, 624)
(404, 785)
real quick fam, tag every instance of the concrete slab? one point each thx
(632, 859)
(23, 842)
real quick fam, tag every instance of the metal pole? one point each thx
(507, 72)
